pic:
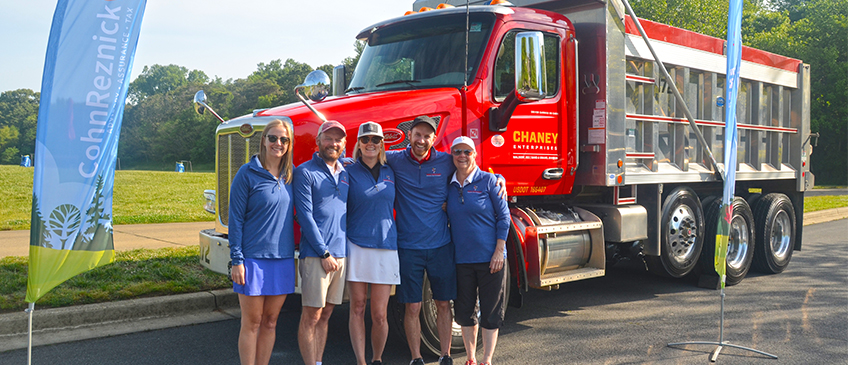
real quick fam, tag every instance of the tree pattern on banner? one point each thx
(63, 223)
(38, 233)
(98, 235)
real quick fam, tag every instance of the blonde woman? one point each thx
(261, 235)
(372, 240)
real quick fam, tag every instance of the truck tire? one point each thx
(775, 217)
(741, 240)
(681, 234)
(429, 330)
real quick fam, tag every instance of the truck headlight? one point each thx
(209, 205)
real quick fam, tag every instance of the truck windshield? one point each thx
(422, 53)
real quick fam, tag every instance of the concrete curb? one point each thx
(56, 325)
(823, 216)
(96, 320)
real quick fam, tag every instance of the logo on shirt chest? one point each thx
(474, 190)
(433, 173)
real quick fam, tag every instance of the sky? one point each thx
(221, 38)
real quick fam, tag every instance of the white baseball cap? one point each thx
(463, 140)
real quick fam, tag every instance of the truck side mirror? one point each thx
(339, 80)
(316, 86)
(200, 102)
(530, 82)
(200, 105)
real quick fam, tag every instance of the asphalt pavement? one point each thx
(57, 325)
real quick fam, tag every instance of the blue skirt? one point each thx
(267, 277)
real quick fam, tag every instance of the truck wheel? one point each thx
(427, 318)
(740, 245)
(429, 329)
(775, 217)
(681, 234)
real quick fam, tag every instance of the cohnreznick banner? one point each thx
(734, 59)
(83, 90)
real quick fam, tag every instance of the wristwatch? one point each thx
(326, 254)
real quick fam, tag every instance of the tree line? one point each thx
(160, 126)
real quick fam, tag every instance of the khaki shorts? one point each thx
(317, 286)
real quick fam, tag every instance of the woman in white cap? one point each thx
(479, 222)
(372, 240)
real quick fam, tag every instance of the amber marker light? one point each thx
(425, 8)
(501, 2)
(408, 12)
(444, 6)
(619, 179)
(620, 163)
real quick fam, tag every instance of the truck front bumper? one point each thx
(215, 251)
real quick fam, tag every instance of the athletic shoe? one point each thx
(445, 360)
(470, 362)
(418, 361)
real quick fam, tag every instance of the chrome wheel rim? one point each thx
(781, 235)
(738, 244)
(682, 234)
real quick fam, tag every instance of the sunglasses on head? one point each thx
(462, 152)
(273, 139)
(372, 139)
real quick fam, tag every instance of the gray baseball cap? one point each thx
(370, 129)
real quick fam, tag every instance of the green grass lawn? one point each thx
(138, 197)
(134, 274)
(815, 203)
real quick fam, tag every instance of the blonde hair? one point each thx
(285, 162)
(381, 156)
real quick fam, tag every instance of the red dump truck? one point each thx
(567, 100)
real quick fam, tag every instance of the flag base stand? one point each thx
(721, 343)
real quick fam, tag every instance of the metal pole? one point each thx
(467, 20)
(677, 95)
(29, 333)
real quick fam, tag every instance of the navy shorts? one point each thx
(439, 263)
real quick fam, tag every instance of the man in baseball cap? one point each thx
(320, 190)
(422, 175)
(331, 124)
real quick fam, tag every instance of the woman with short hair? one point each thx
(479, 224)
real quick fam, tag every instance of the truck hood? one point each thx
(394, 110)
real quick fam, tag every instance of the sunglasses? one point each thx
(462, 152)
(372, 139)
(273, 139)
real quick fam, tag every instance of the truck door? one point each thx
(533, 141)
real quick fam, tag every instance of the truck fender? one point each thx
(515, 255)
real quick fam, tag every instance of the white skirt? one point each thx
(372, 265)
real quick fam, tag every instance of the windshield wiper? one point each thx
(410, 82)
(354, 88)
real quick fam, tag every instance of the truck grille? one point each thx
(233, 151)
(406, 127)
